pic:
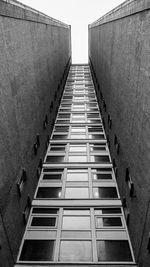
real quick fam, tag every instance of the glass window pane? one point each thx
(108, 222)
(57, 148)
(107, 211)
(105, 192)
(78, 136)
(76, 212)
(55, 176)
(45, 211)
(77, 176)
(44, 221)
(77, 148)
(37, 250)
(77, 158)
(100, 158)
(76, 192)
(54, 158)
(49, 192)
(96, 136)
(113, 250)
(59, 136)
(100, 176)
(76, 222)
(78, 250)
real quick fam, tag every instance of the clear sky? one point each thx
(77, 13)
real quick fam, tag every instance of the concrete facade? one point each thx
(35, 53)
(119, 55)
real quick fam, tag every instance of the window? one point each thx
(50, 159)
(113, 250)
(37, 250)
(105, 192)
(76, 192)
(43, 221)
(77, 176)
(96, 136)
(79, 158)
(100, 158)
(102, 176)
(108, 222)
(76, 250)
(77, 148)
(49, 192)
(55, 176)
(45, 211)
(76, 222)
(59, 136)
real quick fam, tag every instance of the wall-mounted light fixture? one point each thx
(26, 211)
(130, 183)
(20, 183)
(36, 144)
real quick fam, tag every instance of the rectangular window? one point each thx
(108, 222)
(55, 176)
(75, 251)
(37, 250)
(43, 221)
(76, 192)
(77, 175)
(79, 158)
(105, 192)
(52, 159)
(76, 222)
(113, 250)
(77, 148)
(100, 158)
(49, 192)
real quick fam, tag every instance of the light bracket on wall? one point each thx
(130, 183)
(36, 144)
(39, 168)
(45, 122)
(26, 211)
(20, 183)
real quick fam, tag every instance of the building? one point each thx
(74, 152)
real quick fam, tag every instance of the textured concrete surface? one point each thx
(34, 56)
(119, 51)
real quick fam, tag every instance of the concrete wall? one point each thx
(35, 53)
(119, 54)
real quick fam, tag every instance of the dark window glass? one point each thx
(94, 121)
(78, 250)
(107, 211)
(63, 121)
(95, 129)
(61, 128)
(96, 136)
(49, 192)
(98, 148)
(100, 176)
(37, 250)
(108, 222)
(55, 176)
(59, 136)
(45, 211)
(56, 159)
(57, 148)
(100, 158)
(105, 192)
(52, 170)
(64, 115)
(43, 221)
(102, 169)
(113, 250)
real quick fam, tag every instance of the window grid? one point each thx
(78, 132)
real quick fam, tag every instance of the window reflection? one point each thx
(76, 192)
(76, 250)
(105, 192)
(49, 192)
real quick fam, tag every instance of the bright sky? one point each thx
(77, 13)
